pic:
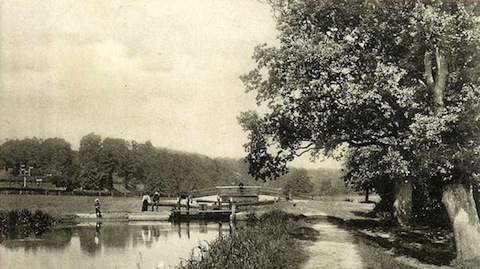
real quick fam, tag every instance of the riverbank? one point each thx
(378, 246)
(67, 208)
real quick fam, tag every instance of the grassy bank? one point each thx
(64, 206)
(267, 242)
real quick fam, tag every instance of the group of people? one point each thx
(146, 201)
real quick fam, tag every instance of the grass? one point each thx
(346, 207)
(265, 243)
(63, 206)
(375, 257)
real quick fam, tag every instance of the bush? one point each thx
(23, 223)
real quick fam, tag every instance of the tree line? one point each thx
(99, 163)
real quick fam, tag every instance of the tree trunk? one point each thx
(458, 201)
(476, 197)
(402, 206)
(367, 195)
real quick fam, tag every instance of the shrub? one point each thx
(23, 223)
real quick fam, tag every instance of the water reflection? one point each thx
(110, 245)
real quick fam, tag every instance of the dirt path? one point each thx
(334, 248)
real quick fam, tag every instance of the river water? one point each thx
(146, 245)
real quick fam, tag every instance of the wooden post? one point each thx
(188, 205)
(232, 219)
(232, 216)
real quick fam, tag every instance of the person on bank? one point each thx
(98, 213)
(145, 202)
(156, 200)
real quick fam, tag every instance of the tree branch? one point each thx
(369, 143)
(306, 148)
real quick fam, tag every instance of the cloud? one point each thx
(160, 70)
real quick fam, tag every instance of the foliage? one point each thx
(100, 160)
(56, 157)
(15, 153)
(337, 78)
(52, 156)
(299, 182)
(265, 243)
(91, 173)
(394, 85)
(23, 223)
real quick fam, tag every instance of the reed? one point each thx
(264, 242)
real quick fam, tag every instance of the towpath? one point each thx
(336, 247)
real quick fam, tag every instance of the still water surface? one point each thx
(145, 245)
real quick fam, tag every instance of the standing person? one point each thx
(98, 213)
(156, 200)
(145, 202)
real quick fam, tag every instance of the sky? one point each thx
(165, 71)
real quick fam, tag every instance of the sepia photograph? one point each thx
(240, 134)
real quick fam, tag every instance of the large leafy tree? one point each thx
(115, 157)
(400, 76)
(299, 182)
(91, 172)
(55, 156)
(56, 159)
(15, 153)
(367, 169)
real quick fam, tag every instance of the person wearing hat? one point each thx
(156, 200)
(98, 213)
(145, 202)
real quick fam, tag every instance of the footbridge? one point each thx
(238, 194)
(221, 202)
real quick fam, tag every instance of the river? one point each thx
(111, 245)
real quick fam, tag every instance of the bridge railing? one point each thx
(239, 191)
(204, 192)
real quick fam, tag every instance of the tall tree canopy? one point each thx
(401, 77)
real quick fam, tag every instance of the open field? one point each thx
(346, 207)
(343, 206)
(62, 206)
